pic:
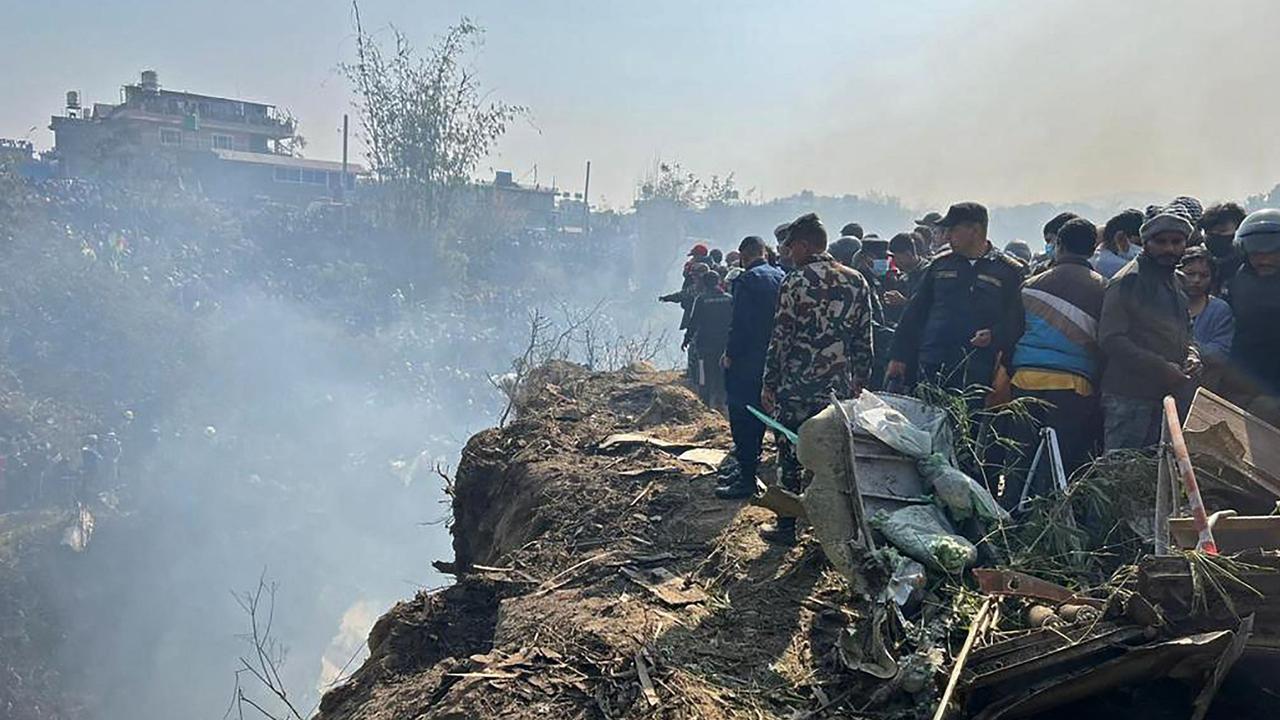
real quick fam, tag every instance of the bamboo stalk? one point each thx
(975, 628)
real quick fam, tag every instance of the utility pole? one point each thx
(586, 202)
(342, 181)
(345, 128)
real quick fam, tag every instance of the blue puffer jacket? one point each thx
(1061, 311)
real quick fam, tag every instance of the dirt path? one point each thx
(546, 619)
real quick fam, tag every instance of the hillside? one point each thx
(546, 619)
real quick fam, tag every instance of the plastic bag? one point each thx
(908, 576)
(890, 426)
(960, 494)
(918, 533)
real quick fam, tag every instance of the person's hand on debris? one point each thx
(858, 384)
(1193, 367)
(768, 400)
(981, 339)
(896, 370)
(894, 298)
(726, 362)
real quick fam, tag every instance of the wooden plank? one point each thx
(1235, 438)
(646, 684)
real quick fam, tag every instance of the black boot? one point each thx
(736, 490)
(780, 532)
(728, 475)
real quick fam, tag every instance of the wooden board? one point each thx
(671, 589)
(1235, 438)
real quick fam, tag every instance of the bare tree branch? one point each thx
(268, 654)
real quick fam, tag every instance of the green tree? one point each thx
(426, 122)
(670, 182)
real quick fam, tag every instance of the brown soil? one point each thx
(542, 621)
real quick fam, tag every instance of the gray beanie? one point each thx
(1189, 206)
(1180, 216)
(1165, 221)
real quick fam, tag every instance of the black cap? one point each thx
(965, 212)
(803, 223)
(852, 229)
(876, 246)
(930, 219)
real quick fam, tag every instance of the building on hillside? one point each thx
(233, 148)
(530, 208)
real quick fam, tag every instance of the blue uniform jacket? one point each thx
(755, 299)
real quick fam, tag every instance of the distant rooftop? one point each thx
(286, 161)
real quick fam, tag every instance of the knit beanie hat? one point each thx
(1180, 216)
(1189, 206)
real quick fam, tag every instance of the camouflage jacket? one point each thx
(821, 333)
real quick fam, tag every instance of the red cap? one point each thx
(699, 250)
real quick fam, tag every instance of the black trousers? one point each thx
(748, 438)
(1077, 421)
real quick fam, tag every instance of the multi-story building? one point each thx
(233, 148)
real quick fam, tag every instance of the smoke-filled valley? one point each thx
(232, 405)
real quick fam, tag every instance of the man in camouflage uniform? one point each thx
(821, 342)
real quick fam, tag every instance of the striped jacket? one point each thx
(1061, 310)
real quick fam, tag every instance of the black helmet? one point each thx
(1260, 232)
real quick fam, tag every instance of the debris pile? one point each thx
(598, 577)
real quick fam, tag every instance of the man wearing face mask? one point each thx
(1219, 225)
(873, 262)
(1145, 333)
(1255, 298)
(1042, 261)
(965, 311)
(1120, 243)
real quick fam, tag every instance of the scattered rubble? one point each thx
(598, 577)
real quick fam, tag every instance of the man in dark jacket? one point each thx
(1219, 224)
(964, 313)
(1255, 298)
(1057, 359)
(685, 296)
(755, 297)
(707, 333)
(903, 281)
(1145, 333)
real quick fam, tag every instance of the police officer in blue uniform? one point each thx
(966, 310)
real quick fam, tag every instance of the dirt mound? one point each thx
(606, 584)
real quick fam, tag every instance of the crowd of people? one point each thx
(1095, 331)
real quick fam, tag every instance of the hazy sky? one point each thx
(932, 101)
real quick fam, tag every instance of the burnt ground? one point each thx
(543, 622)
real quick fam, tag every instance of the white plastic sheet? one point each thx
(890, 426)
